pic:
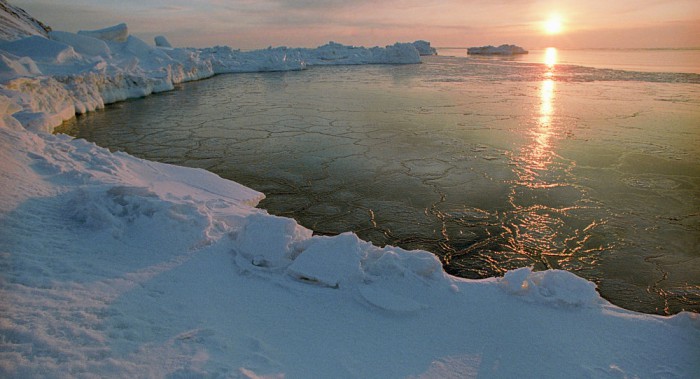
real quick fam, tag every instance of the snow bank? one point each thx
(113, 266)
(500, 50)
(107, 65)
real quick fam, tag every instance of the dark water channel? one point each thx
(491, 166)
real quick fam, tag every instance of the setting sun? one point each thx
(553, 25)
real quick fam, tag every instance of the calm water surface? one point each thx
(489, 164)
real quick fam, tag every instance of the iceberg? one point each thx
(114, 266)
(493, 50)
(424, 48)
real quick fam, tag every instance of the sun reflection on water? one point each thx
(540, 151)
(550, 57)
(539, 227)
(550, 60)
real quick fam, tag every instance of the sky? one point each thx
(250, 24)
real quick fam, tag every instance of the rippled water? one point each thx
(491, 165)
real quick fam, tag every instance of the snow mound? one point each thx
(500, 50)
(12, 67)
(330, 261)
(82, 44)
(255, 245)
(116, 33)
(161, 41)
(553, 287)
(40, 49)
(346, 260)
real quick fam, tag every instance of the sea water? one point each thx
(492, 164)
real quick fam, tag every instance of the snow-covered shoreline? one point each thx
(114, 266)
(52, 79)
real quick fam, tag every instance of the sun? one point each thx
(553, 25)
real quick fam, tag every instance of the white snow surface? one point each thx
(114, 266)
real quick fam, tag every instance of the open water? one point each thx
(492, 164)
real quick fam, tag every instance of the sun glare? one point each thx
(553, 25)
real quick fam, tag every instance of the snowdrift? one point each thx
(113, 266)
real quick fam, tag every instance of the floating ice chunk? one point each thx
(116, 33)
(555, 287)
(500, 50)
(161, 41)
(82, 44)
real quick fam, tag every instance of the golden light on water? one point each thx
(546, 102)
(541, 149)
(538, 227)
(550, 57)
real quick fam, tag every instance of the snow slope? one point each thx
(113, 266)
(16, 23)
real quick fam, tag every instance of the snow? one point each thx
(113, 266)
(500, 50)
(116, 33)
(82, 44)
(40, 49)
(162, 41)
(16, 23)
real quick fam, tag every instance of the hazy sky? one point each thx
(308, 23)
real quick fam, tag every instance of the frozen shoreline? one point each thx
(115, 266)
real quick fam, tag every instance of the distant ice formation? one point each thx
(493, 50)
(424, 48)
